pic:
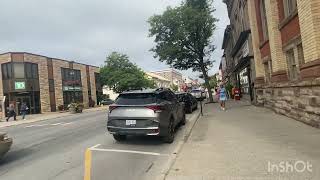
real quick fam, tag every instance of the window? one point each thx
(34, 71)
(292, 65)
(136, 99)
(289, 7)
(28, 70)
(4, 71)
(263, 14)
(19, 70)
(300, 54)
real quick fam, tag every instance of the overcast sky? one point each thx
(87, 30)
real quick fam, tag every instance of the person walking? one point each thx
(12, 112)
(222, 97)
(24, 109)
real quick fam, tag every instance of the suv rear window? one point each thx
(136, 99)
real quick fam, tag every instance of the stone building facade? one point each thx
(43, 83)
(238, 51)
(286, 44)
(172, 75)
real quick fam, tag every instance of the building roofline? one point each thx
(47, 57)
(167, 70)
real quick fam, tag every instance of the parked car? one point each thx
(5, 144)
(198, 94)
(150, 112)
(190, 101)
(107, 101)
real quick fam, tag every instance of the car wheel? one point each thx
(119, 138)
(169, 138)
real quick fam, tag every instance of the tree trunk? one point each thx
(207, 83)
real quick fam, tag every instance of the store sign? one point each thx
(20, 85)
(71, 88)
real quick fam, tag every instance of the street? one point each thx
(54, 149)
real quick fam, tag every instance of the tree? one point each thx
(214, 82)
(120, 74)
(183, 37)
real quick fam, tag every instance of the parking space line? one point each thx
(128, 151)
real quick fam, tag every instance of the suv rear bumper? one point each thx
(149, 131)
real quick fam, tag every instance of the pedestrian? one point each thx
(24, 109)
(12, 112)
(222, 97)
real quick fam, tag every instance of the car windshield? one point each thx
(136, 99)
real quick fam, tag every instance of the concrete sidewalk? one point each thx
(248, 143)
(44, 116)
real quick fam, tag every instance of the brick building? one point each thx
(238, 52)
(45, 83)
(174, 76)
(286, 44)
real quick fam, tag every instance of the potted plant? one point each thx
(75, 108)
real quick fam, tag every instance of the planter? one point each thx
(75, 108)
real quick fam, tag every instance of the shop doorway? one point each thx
(23, 99)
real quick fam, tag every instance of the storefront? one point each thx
(45, 84)
(21, 85)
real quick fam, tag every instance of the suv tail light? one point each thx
(112, 107)
(155, 108)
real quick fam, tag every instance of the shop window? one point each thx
(35, 73)
(292, 65)
(28, 70)
(289, 7)
(19, 71)
(300, 54)
(263, 14)
(4, 71)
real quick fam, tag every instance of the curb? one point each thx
(66, 114)
(178, 149)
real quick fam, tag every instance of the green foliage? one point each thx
(229, 87)
(120, 74)
(214, 81)
(183, 36)
(174, 87)
(75, 107)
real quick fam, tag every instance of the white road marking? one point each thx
(65, 124)
(56, 124)
(95, 146)
(128, 151)
(39, 125)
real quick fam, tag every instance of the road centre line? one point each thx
(128, 151)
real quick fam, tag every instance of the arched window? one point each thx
(264, 23)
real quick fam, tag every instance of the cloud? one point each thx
(87, 30)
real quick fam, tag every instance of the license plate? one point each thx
(131, 122)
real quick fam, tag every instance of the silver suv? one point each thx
(151, 112)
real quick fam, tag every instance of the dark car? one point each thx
(150, 112)
(190, 101)
(106, 102)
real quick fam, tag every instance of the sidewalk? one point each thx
(247, 143)
(44, 116)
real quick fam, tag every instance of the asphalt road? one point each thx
(54, 150)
